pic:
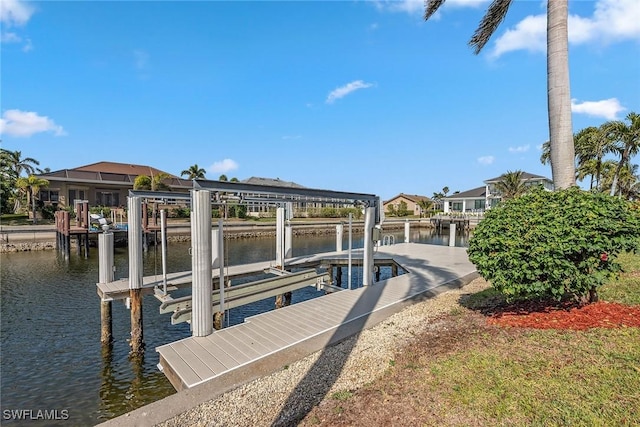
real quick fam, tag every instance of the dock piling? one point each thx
(202, 314)
(135, 275)
(452, 234)
(407, 229)
(105, 254)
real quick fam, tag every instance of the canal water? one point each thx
(52, 363)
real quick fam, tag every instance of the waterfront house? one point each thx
(479, 199)
(412, 202)
(102, 184)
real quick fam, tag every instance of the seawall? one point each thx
(43, 237)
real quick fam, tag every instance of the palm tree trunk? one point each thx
(616, 175)
(33, 206)
(559, 95)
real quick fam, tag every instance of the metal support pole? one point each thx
(220, 244)
(202, 310)
(367, 262)
(163, 236)
(407, 228)
(452, 234)
(339, 236)
(288, 240)
(350, 246)
(280, 237)
(105, 271)
(215, 256)
(135, 274)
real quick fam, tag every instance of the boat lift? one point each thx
(200, 307)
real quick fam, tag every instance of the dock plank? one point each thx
(177, 362)
(213, 348)
(236, 349)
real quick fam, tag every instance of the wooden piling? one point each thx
(280, 250)
(66, 231)
(135, 275)
(137, 336)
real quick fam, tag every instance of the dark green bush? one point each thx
(554, 244)
(48, 211)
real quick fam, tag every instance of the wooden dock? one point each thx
(268, 341)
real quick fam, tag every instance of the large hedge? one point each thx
(554, 244)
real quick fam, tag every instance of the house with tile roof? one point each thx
(412, 202)
(102, 184)
(479, 199)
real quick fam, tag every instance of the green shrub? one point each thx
(48, 211)
(553, 244)
(179, 212)
(101, 210)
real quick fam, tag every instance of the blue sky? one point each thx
(361, 96)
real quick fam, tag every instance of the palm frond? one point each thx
(431, 7)
(495, 15)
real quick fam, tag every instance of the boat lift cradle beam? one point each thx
(238, 295)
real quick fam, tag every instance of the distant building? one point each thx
(102, 184)
(482, 198)
(411, 200)
(304, 206)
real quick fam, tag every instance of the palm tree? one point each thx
(32, 185)
(591, 145)
(511, 185)
(154, 183)
(194, 172)
(562, 152)
(17, 164)
(628, 143)
(425, 206)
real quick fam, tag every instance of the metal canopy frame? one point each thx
(257, 193)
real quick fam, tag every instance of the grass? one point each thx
(588, 378)
(474, 374)
(626, 289)
(550, 377)
(22, 219)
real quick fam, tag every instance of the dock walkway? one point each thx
(268, 341)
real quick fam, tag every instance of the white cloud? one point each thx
(10, 37)
(290, 137)
(486, 160)
(417, 6)
(345, 90)
(223, 166)
(15, 12)
(529, 34)
(607, 108)
(520, 149)
(26, 123)
(612, 20)
(617, 19)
